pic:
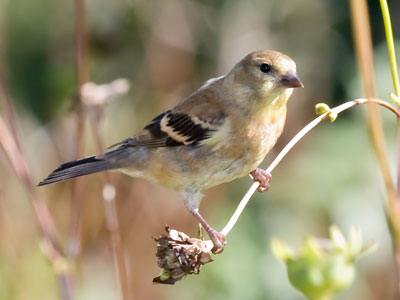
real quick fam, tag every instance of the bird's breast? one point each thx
(256, 138)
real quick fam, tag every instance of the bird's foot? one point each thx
(216, 237)
(218, 240)
(262, 177)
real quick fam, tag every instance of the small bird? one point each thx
(220, 132)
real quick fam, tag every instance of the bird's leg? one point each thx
(216, 237)
(262, 177)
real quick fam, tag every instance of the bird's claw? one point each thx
(216, 237)
(218, 240)
(263, 177)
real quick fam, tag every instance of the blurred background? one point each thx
(166, 49)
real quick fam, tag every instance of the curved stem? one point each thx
(336, 110)
(364, 53)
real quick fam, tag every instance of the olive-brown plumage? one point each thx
(220, 132)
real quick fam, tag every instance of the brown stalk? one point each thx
(10, 144)
(9, 109)
(82, 69)
(110, 205)
(364, 54)
(8, 106)
(10, 147)
(53, 249)
(110, 208)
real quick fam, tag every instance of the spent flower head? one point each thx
(179, 255)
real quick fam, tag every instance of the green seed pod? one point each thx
(321, 278)
(322, 267)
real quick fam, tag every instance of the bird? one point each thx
(220, 132)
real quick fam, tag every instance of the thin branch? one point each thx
(21, 169)
(108, 189)
(362, 36)
(364, 54)
(81, 35)
(53, 249)
(110, 208)
(396, 84)
(82, 70)
(9, 108)
(334, 111)
(10, 143)
(8, 105)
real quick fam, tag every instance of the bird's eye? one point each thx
(265, 68)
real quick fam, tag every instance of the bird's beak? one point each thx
(291, 80)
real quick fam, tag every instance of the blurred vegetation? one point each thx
(166, 49)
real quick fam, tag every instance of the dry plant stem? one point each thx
(46, 223)
(364, 53)
(74, 243)
(365, 59)
(110, 208)
(336, 110)
(81, 34)
(9, 108)
(10, 144)
(20, 167)
(395, 77)
(65, 281)
(363, 44)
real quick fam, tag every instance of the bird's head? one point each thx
(265, 76)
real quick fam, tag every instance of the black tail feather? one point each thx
(77, 168)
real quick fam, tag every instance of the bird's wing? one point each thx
(176, 128)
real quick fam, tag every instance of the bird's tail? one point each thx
(85, 166)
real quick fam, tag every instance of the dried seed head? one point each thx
(179, 255)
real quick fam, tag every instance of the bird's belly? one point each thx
(225, 171)
(202, 167)
(198, 168)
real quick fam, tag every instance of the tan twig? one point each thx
(364, 54)
(110, 208)
(82, 69)
(53, 249)
(8, 105)
(10, 143)
(108, 189)
(9, 108)
(334, 111)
